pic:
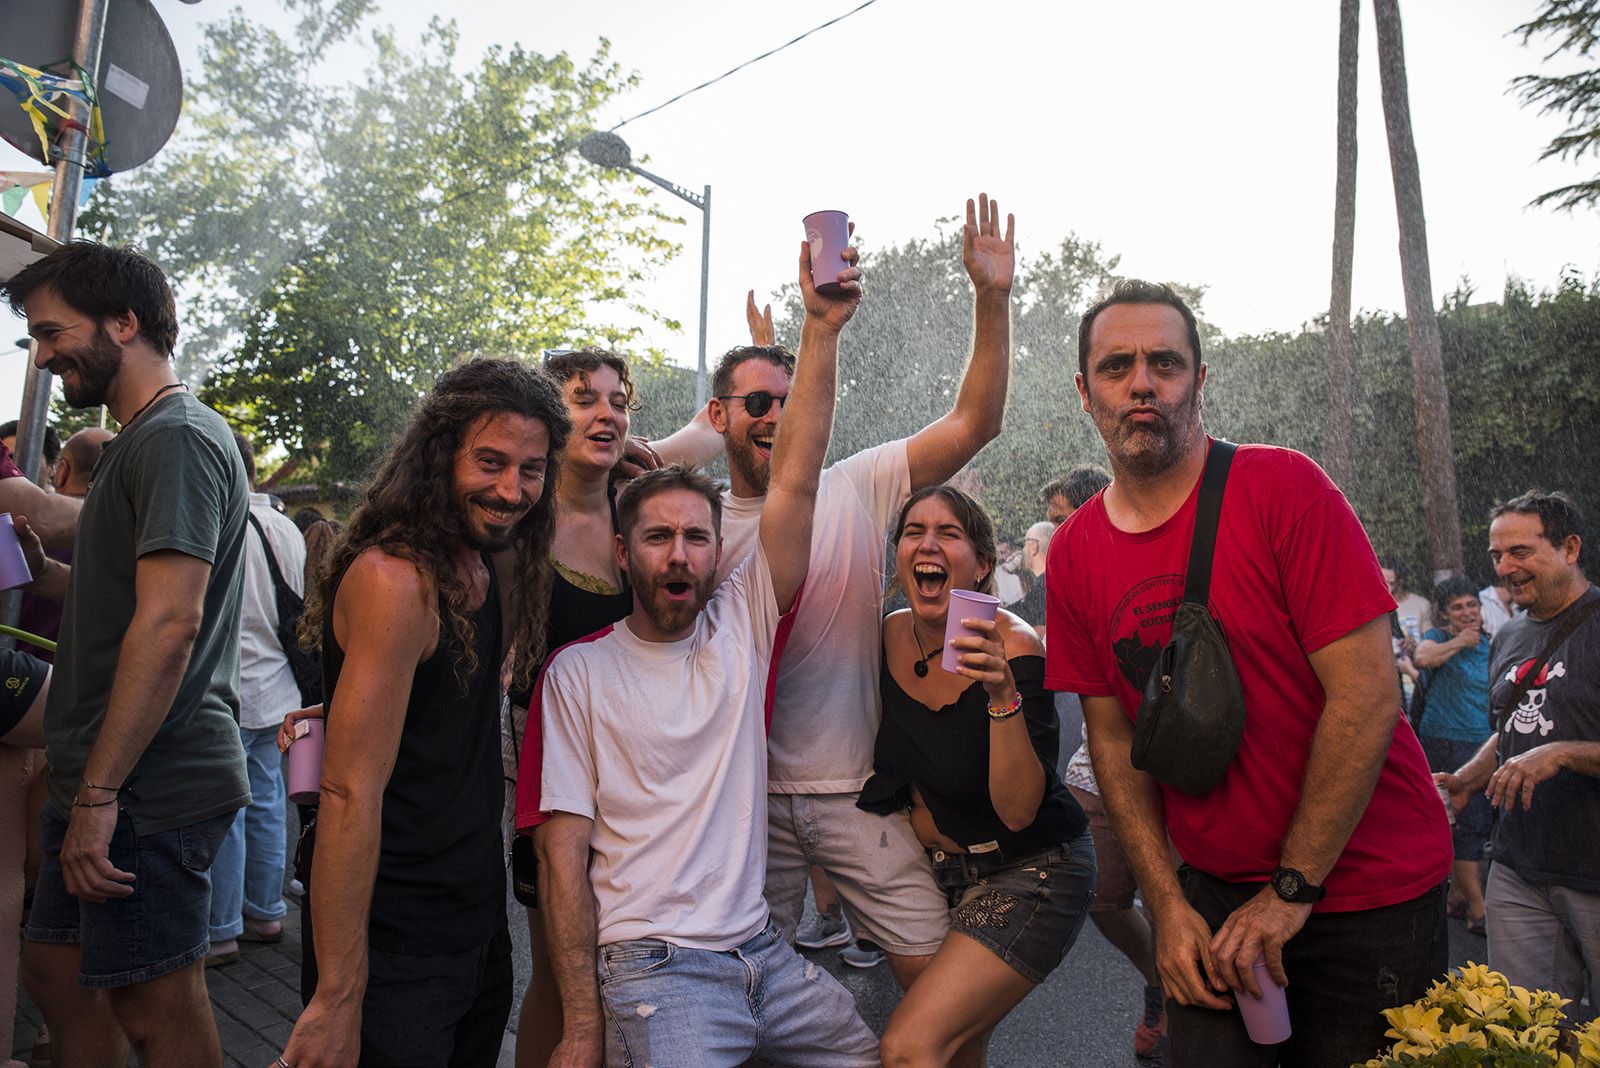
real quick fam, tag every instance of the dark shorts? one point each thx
(159, 928)
(21, 678)
(1344, 969)
(1028, 910)
(1470, 833)
(442, 1010)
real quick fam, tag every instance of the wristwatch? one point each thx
(1293, 886)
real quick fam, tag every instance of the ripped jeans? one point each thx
(1344, 969)
(700, 1008)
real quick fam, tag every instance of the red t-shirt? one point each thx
(1293, 571)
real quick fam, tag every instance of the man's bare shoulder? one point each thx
(380, 582)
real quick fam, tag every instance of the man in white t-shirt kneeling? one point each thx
(655, 775)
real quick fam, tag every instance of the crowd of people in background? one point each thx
(667, 707)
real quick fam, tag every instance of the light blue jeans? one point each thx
(247, 876)
(695, 1008)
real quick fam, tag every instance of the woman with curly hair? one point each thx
(969, 757)
(407, 954)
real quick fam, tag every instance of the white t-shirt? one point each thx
(827, 710)
(267, 688)
(662, 744)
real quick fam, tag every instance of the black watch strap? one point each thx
(1292, 885)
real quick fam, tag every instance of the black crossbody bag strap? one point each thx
(278, 584)
(1569, 626)
(1202, 546)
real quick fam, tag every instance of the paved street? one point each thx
(1083, 1015)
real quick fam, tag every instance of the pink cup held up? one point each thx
(305, 762)
(964, 604)
(1265, 1018)
(13, 565)
(828, 234)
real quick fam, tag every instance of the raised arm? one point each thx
(697, 442)
(383, 619)
(802, 440)
(1352, 737)
(943, 447)
(568, 910)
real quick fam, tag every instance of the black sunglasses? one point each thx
(758, 403)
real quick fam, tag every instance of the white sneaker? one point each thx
(861, 955)
(823, 930)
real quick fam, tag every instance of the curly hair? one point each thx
(566, 364)
(409, 511)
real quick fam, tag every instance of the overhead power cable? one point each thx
(746, 63)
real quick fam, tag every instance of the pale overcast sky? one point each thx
(1197, 140)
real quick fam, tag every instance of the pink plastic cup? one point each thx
(13, 565)
(964, 604)
(305, 762)
(1265, 1018)
(828, 233)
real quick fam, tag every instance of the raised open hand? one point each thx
(990, 258)
(760, 322)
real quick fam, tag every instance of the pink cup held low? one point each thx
(13, 565)
(828, 234)
(964, 604)
(1265, 1018)
(305, 762)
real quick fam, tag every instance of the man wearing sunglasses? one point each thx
(826, 712)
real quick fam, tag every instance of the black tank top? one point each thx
(441, 879)
(945, 753)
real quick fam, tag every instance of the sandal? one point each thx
(264, 931)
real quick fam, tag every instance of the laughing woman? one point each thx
(972, 755)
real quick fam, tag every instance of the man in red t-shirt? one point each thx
(1325, 846)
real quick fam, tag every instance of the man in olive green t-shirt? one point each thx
(146, 769)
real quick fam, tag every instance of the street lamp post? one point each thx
(605, 149)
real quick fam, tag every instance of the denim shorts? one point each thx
(1027, 910)
(159, 928)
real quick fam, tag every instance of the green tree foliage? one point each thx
(1574, 27)
(340, 242)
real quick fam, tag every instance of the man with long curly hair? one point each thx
(407, 955)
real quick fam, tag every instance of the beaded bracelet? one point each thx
(998, 713)
(93, 804)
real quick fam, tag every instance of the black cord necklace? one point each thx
(169, 387)
(921, 666)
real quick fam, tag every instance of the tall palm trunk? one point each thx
(1341, 344)
(1439, 508)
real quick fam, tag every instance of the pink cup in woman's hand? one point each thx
(964, 604)
(305, 762)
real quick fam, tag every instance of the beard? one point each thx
(753, 468)
(1147, 449)
(487, 539)
(95, 366)
(674, 616)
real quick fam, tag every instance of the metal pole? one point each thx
(705, 288)
(70, 160)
